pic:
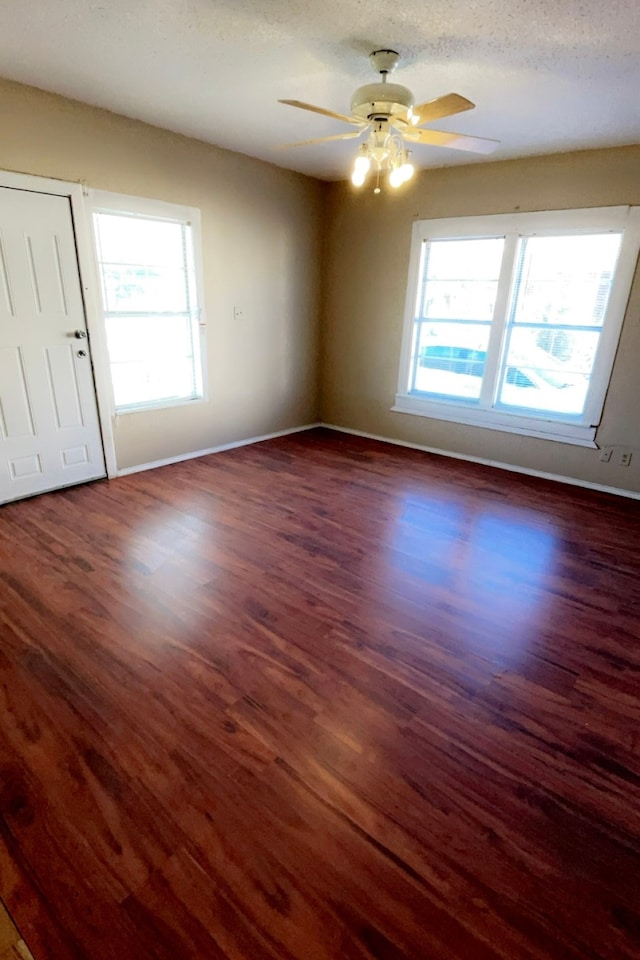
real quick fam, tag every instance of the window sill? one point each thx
(158, 405)
(545, 429)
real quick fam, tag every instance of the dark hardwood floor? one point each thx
(321, 698)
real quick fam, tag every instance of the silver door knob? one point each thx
(80, 334)
(81, 353)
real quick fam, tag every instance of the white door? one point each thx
(49, 429)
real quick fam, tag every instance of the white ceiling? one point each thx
(546, 75)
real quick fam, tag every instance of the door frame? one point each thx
(76, 192)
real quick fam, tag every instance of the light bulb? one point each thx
(362, 164)
(396, 178)
(357, 178)
(407, 170)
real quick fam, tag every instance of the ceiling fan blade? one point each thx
(321, 110)
(305, 143)
(456, 141)
(435, 109)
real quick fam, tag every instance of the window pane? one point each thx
(138, 382)
(139, 240)
(459, 281)
(150, 289)
(565, 280)
(450, 359)
(460, 278)
(478, 259)
(548, 370)
(151, 358)
(459, 299)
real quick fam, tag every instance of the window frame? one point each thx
(102, 201)
(625, 219)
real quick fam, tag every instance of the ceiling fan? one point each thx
(386, 111)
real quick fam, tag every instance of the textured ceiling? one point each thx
(546, 75)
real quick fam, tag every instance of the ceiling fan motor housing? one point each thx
(379, 101)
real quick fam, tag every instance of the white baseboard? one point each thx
(220, 449)
(573, 481)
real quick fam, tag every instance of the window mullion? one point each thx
(499, 323)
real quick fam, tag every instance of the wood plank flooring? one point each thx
(321, 699)
(12, 946)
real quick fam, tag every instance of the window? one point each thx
(513, 320)
(147, 254)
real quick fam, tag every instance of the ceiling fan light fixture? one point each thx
(387, 113)
(387, 154)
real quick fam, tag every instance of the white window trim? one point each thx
(582, 432)
(102, 201)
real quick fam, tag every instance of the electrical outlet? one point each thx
(624, 458)
(605, 454)
(238, 313)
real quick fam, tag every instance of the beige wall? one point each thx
(262, 236)
(368, 246)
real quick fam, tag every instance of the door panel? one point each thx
(15, 412)
(49, 430)
(63, 386)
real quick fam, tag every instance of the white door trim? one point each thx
(76, 194)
